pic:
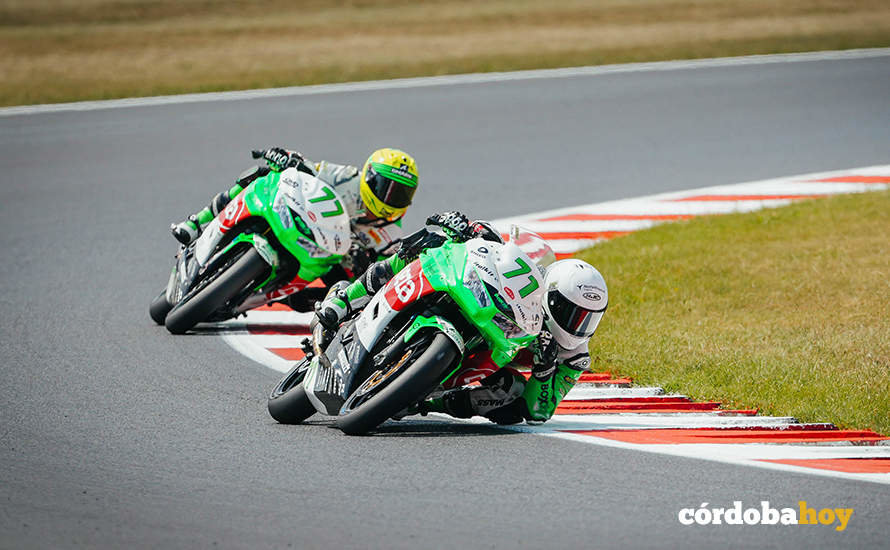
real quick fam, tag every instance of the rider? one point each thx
(376, 199)
(575, 300)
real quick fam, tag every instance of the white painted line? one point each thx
(449, 80)
(750, 454)
(589, 226)
(589, 391)
(271, 317)
(568, 246)
(661, 204)
(633, 421)
(269, 340)
(255, 351)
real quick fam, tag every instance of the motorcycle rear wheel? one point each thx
(410, 383)
(288, 402)
(222, 286)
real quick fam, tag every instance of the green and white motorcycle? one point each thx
(278, 235)
(408, 342)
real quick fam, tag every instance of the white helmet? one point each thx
(575, 300)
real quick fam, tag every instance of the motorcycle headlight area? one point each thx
(314, 250)
(280, 207)
(510, 328)
(477, 287)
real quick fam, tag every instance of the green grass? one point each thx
(785, 310)
(66, 50)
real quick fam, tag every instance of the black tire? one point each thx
(224, 285)
(288, 402)
(159, 308)
(417, 380)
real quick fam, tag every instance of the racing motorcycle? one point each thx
(408, 342)
(282, 232)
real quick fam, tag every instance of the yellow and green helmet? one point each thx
(389, 180)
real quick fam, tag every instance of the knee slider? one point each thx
(511, 413)
(457, 404)
(219, 202)
(495, 391)
(506, 381)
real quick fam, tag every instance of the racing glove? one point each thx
(544, 353)
(280, 159)
(455, 224)
(361, 259)
(484, 230)
(415, 243)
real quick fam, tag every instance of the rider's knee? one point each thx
(219, 202)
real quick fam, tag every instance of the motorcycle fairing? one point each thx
(320, 208)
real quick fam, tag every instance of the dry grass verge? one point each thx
(787, 310)
(63, 50)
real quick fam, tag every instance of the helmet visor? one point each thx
(571, 317)
(387, 187)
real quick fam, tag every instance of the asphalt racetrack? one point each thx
(114, 433)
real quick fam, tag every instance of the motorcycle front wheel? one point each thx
(400, 384)
(215, 290)
(288, 402)
(159, 308)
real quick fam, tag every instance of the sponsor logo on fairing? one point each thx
(485, 269)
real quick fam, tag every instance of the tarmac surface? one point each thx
(113, 432)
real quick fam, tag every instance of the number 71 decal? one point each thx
(523, 269)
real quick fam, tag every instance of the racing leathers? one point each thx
(505, 396)
(371, 237)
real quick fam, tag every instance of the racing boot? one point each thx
(186, 231)
(495, 398)
(335, 307)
